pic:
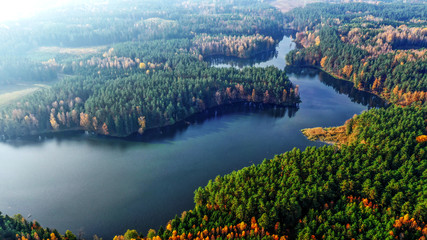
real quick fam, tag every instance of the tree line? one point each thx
(371, 188)
(359, 47)
(167, 85)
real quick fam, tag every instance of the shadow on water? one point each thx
(166, 135)
(340, 86)
(170, 132)
(163, 135)
(284, 45)
(241, 62)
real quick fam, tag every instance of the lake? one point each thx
(104, 186)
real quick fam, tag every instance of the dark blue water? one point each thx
(104, 186)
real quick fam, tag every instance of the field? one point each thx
(287, 5)
(71, 51)
(47, 53)
(10, 93)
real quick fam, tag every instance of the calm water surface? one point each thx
(104, 186)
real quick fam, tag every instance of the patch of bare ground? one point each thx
(333, 135)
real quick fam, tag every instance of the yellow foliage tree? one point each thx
(53, 122)
(317, 41)
(142, 124)
(53, 237)
(323, 61)
(169, 227)
(95, 123)
(377, 84)
(241, 51)
(74, 116)
(84, 120)
(347, 70)
(396, 90)
(253, 97)
(142, 66)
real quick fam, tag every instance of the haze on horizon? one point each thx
(20, 9)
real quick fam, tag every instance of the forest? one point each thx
(117, 95)
(380, 48)
(371, 188)
(141, 72)
(137, 70)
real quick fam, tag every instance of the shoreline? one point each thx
(182, 122)
(185, 120)
(253, 55)
(341, 79)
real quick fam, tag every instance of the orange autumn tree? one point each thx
(241, 230)
(377, 84)
(104, 129)
(422, 138)
(84, 120)
(323, 61)
(404, 224)
(347, 70)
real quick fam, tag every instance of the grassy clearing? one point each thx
(288, 5)
(46, 53)
(333, 135)
(9, 97)
(71, 51)
(159, 20)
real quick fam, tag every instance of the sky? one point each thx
(17, 9)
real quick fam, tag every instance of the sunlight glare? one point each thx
(18, 9)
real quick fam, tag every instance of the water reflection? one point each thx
(163, 135)
(171, 132)
(340, 86)
(224, 61)
(273, 58)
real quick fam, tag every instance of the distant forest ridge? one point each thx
(288, 5)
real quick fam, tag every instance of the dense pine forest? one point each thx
(112, 70)
(380, 48)
(149, 74)
(372, 188)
